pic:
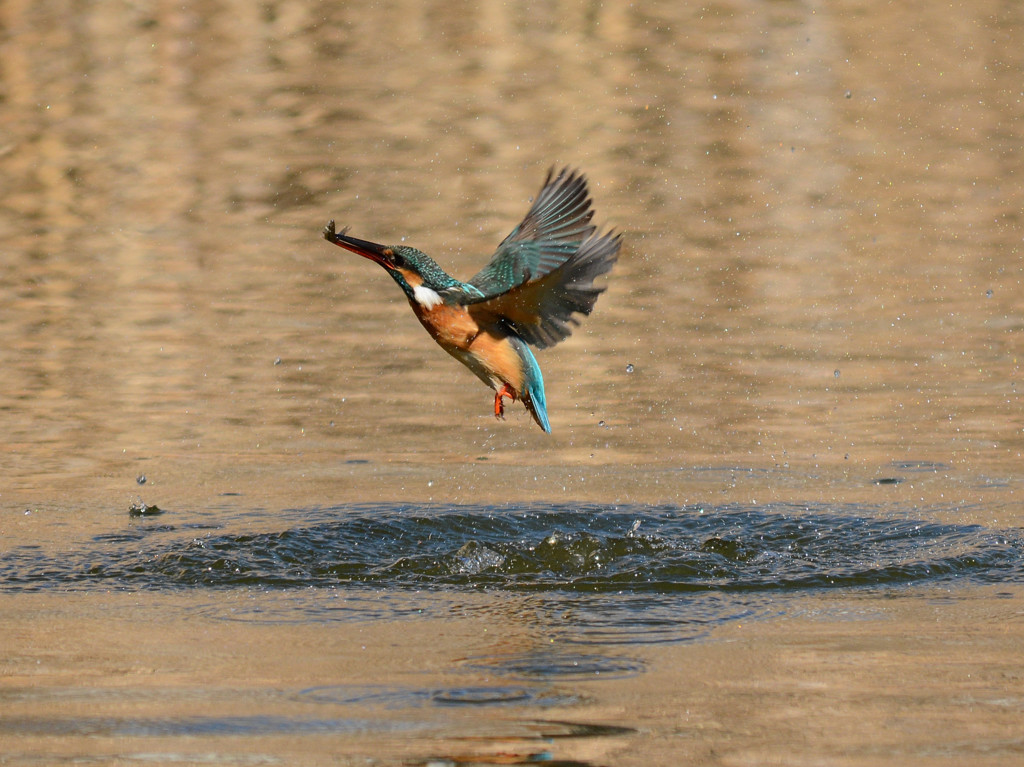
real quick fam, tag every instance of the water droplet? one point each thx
(277, 361)
(141, 479)
(629, 368)
(988, 293)
(601, 424)
(836, 372)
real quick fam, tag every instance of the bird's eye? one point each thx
(395, 258)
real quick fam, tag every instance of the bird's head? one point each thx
(410, 268)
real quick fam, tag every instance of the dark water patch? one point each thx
(399, 697)
(570, 549)
(925, 467)
(562, 729)
(189, 726)
(483, 696)
(557, 665)
(583, 573)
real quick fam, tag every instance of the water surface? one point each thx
(803, 382)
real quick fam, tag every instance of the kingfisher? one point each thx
(530, 293)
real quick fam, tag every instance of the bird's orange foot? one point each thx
(499, 403)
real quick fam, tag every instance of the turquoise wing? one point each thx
(544, 311)
(556, 224)
(543, 273)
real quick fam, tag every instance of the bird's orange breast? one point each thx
(451, 326)
(480, 346)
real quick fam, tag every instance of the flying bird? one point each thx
(529, 294)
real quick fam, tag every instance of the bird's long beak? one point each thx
(371, 250)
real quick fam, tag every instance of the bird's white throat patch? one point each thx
(426, 297)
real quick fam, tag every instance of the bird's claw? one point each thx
(499, 402)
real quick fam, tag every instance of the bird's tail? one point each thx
(532, 392)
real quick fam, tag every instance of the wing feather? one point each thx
(542, 311)
(542, 275)
(556, 224)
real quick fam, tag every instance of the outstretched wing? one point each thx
(543, 272)
(541, 311)
(556, 224)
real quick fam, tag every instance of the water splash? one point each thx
(569, 548)
(622, 574)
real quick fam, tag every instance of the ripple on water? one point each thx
(398, 697)
(628, 573)
(558, 663)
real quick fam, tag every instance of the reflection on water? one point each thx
(455, 696)
(805, 193)
(551, 664)
(185, 727)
